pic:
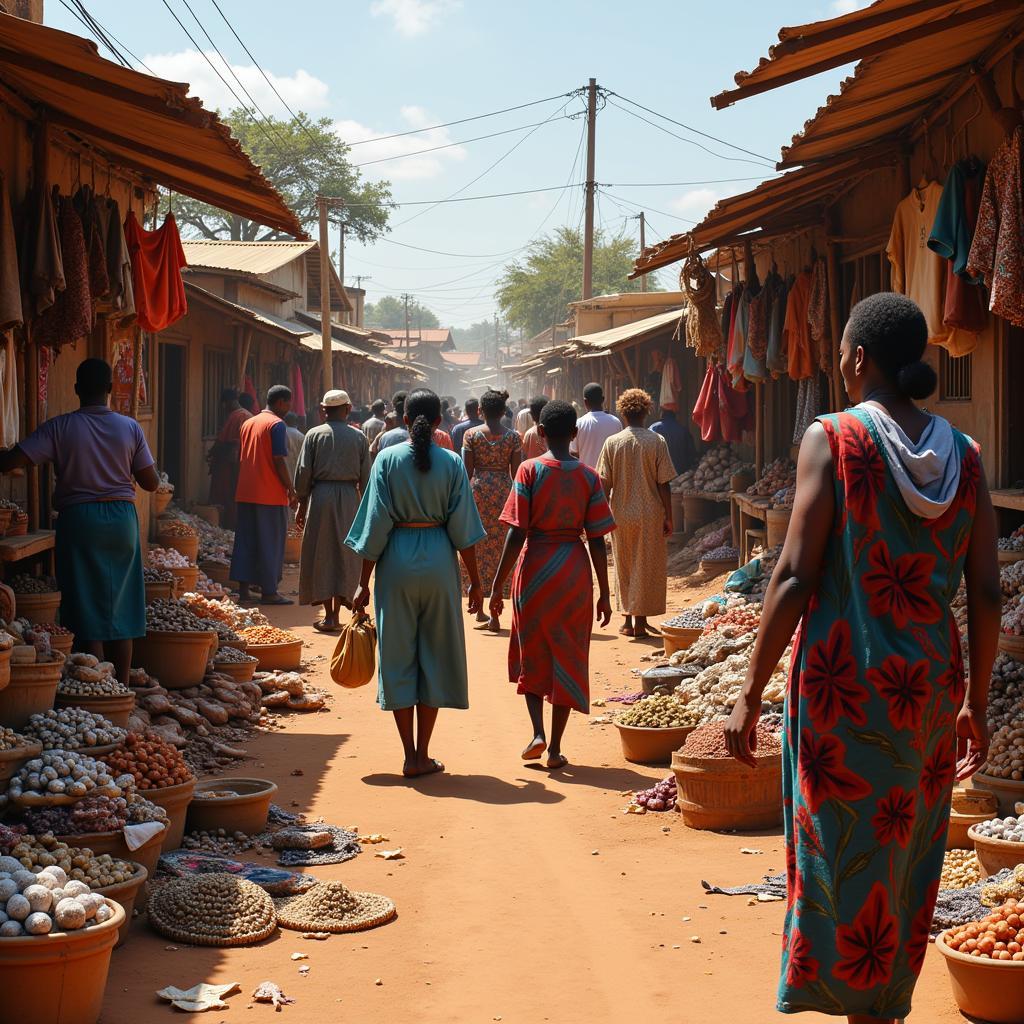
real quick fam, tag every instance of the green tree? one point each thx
(301, 158)
(533, 292)
(389, 315)
(474, 338)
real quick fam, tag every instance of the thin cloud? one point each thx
(301, 90)
(695, 203)
(848, 6)
(413, 18)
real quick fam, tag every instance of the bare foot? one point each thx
(535, 749)
(556, 761)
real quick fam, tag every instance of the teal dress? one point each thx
(417, 592)
(870, 749)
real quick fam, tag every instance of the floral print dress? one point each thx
(869, 756)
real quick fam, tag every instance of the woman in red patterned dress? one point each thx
(555, 501)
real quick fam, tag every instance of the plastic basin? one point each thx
(58, 978)
(989, 990)
(31, 690)
(245, 812)
(284, 657)
(679, 638)
(12, 760)
(651, 746)
(722, 793)
(1007, 792)
(117, 710)
(178, 660)
(38, 607)
(174, 800)
(126, 893)
(995, 854)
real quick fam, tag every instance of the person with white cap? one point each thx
(330, 476)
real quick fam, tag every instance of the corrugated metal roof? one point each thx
(466, 359)
(145, 124)
(243, 257)
(603, 342)
(288, 329)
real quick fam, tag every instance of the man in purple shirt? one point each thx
(98, 456)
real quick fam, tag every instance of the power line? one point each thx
(662, 213)
(696, 131)
(691, 142)
(464, 120)
(449, 145)
(677, 184)
(107, 32)
(95, 30)
(472, 199)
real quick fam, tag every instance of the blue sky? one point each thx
(376, 67)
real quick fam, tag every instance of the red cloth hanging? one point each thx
(298, 394)
(721, 411)
(250, 389)
(157, 258)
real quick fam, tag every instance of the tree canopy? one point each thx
(302, 158)
(533, 292)
(388, 313)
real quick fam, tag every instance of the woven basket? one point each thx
(180, 888)
(1012, 645)
(718, 792)
(375, 910)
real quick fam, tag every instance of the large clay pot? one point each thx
(188, 546)
(995, 854)
(8, 601)
(186, 577)
(5, 669)
(58, 978)
(245, 812)
(147, 855)
(12, 760)
(38, 607)
(240, 671)
(698, 512)
(126, 893)
(217, 571)
(985, 990)
(155, 591)
(283, 657)
(62, 642)
(161, 499)
(776, 522)
(1012, 645)
(174, 800)
(651, 746)
(32, 690)
(1007, 791)
(293, 548)
(178, 660)
(720, 792)
(116, 710)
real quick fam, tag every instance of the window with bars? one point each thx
(954, 377)
(218, 373)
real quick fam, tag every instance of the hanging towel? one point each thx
(927, 473)
(671, 385)
(157, 258)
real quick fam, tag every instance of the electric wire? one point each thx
(94, 29)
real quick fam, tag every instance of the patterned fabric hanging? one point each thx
(703, 330)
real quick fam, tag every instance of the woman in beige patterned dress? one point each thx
(636, 468)
(492, 454)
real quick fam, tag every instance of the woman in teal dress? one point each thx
(891, 510)
(416, 513)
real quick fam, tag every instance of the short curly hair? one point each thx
(893, 331)
(634, 403)
(494, 403)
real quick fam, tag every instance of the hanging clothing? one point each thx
(721, 412)
(556, 503)
(42, 265)
(298, 392)
(671, 385)
(703, 331)
(818, 318)
(332, 471)
(119, 264)
(416, 591)
(755, 367)
(736, 337)
(157, 258)
(964, 312)
(776, 360)
(917, 272)
(634, 463)
(95, 242)
(10, 279)
(808, 406)
(997, 252)
(869, 752)
(69, 318)
(796, 332)
(10, 418)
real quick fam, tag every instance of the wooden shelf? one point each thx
(1008, 498)
(13, 549)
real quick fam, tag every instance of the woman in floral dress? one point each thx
(891, 510)
(492, 453)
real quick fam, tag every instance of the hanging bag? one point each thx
(355, 656)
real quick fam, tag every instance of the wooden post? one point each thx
(835, 313)
(590, 189)
(643, 246)
(325, 296)
(243, 358)
(758, 430)
(136, 371)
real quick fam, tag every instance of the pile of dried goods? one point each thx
(333, 907)
(287, 691)
(713, 473)
(657, 712)
(171, 615)
(72, 728)
(1009, 829)
(1006, 692)
(219, 841)
(153, 763)
(709, 741)
(24, 583)
(11, 740)
(80, 863)
(745, 618)
(712, 535)
(175, 528)
(86, 676)
(232, 656)
(692, 618)
(93, 814)
(960, 868)
(660, 797)
(166, 558)
(257, 636)
(1011, 579)
(723, 553)
(776, 476)
(712, 694)
(151, 575)
(1013, 615)
(1006, 752)
(714, 646)
(47, 901)
(1009, 888)
(997, 936)
(217, 909)
(57, 777)
(1015, 542)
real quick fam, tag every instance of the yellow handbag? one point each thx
(355, 656)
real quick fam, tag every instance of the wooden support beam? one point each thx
(136, 371)
(243, 360)
(835, 313)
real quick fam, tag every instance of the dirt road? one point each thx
(523, 897)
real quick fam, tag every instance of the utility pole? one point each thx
(322, 203)
(341, 264)
(408, 343)
(591, 188)
(643, 246)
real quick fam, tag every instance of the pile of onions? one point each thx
(660, 797)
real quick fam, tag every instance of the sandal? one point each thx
(534, 750)
(275, 599)
(322, 627)
(556, 761)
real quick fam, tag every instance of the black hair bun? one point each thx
(917, 380)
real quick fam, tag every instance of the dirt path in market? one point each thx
(523, 897)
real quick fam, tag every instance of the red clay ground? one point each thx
(523, 896)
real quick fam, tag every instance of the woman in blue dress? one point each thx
(416, 513)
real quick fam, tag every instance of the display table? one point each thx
(748, 512)
(1008, 498)
(14, 549)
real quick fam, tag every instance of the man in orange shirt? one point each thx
(263, 497)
